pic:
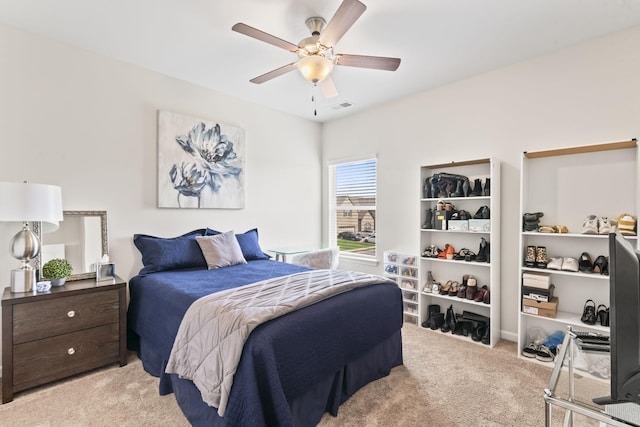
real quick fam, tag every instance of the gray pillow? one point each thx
(221, 250)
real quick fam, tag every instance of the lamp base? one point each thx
(23, 280)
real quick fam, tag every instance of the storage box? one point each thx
(480, 225)
(540, 308)
(458, 225)
(440, 219)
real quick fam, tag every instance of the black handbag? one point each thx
(589, 313)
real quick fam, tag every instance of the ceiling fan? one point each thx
(315, 53)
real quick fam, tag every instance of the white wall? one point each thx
(584, 95)
(87, 123)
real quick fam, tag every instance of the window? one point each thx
(352, 207)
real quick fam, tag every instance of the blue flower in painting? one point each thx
(213, 151)
(214, 158)
(190, 182)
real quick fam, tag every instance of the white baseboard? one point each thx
(509, 336)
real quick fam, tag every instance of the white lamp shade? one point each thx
(315, 68)
(30, 202)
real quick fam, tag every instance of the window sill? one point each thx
(347, 257)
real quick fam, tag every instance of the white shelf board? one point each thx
(581, 275)
(455, 298)
(572, 319)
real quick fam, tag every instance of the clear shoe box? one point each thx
(480, 225)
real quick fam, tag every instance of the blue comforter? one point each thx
(329, 349)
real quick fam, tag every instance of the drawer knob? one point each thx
(71, 313)
(71, 351)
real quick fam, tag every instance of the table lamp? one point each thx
(28, 202)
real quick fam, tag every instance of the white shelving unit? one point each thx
(567, 185)
(403, 268)
(486, 273)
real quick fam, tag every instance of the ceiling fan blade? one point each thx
(363, 61)
(274, 73)
(328, 88)
(348, 13)
(265, 37)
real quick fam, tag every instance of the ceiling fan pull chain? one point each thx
(313, 99)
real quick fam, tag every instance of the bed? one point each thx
(293, 368)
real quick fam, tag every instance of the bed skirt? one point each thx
(326, 395)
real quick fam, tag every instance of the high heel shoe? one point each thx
(585, 264)
(601, 265)
(444, 289)
(453, 291)
(603, 315)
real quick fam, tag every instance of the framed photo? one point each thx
(200, 163)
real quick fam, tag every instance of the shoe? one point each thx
(443, 254)
(543, 354)
(541, 257)
(462, 289)
(466, 187)
(436, 288)
(483, 252)
(530, 221)
(431, 310)
(393, 269)
(627, 224)
(486, 337)
(603, 315)
(589, 313)
(601, 265)
(479, 331)
(448, 321)
(530, 257)
(487, 187)
(449, 251)
(604, 225)
(453, 290)
(436, 321)
(426, 193)
(482, 213)
(428, 222)
(570, 264)
(590, 225)
(472, 287)
(479, 296)
(444, 289)
(477, 188)
(555, 263)
(547, 229)
(486, 298)
(585, 264)
(459, 190)
(431, 252)
(530, 351)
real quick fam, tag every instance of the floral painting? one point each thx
(200, 163)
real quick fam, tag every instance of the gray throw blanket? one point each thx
(214, 329)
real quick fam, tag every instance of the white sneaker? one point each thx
(555, 263)
(531, 350)
(590, 225)
(604, 226)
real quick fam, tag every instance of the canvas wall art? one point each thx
(200, 163)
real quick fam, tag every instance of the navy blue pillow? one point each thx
(160, 254)
(250, 246)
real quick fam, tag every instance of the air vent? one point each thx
(345, 104)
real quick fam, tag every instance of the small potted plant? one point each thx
(57, 270)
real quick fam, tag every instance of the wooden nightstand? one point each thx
(69, 330)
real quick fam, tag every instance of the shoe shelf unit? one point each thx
(403, 269)
(567, 185)
(443, 270)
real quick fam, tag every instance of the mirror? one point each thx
(81, 239)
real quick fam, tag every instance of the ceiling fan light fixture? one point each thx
(315, 68)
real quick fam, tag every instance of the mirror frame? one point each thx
(37, 228)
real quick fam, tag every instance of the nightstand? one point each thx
(71, 329)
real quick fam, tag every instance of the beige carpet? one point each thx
(444, 382)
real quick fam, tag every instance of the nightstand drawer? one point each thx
(42, 361)
(47, 318)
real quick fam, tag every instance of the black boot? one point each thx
(437, 321)
(483, 252)
(459, 190)
(486, 338)
(477, 188)
(466, 187)
(427, 188)
(487, 187)
(446, 325)
(431, 310)
(428, 222)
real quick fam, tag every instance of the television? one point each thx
(624, 321)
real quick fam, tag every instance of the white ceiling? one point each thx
(439, 41)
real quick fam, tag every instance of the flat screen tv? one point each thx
(624, 321)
